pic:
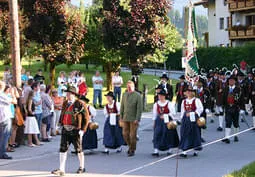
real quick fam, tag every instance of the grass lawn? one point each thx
(246, 171)
(144, 79)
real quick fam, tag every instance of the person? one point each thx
(31, 125)
(232, 100)
(130, 115)
(164, 139)
(28, 73)
(211, 84)
(89, 140)
(253, 100)
(5, 119)
(241, 82)
(82, 86)
(179, 90)
(39, 77)
(117, 82)
(38, 103)
(47, 107)
(113, 138)
(157, 90)
(24, 77)
(191, 110)
(97, 86)
(168, 88)
(7, 74)
(72, 80)
(220, 86)
(74, 119)
(58, 102)
(62, 78)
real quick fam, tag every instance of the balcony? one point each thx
(241, 5)
(242, 32)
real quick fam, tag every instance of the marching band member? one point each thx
(113, 138)
(164, 139)
(244, 91)
(167, 87)
(253, 99)
(74, 118)
(180, 88)
(211, 84)
(220, 86)
(232, 99)
(191, 109)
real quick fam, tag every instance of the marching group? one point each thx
(66, 110)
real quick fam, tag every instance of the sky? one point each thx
(177, 4)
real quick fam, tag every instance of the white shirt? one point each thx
(171, 109)
(117, 81)
(5, 109)
(111, 106)
(92, 111)
(97, 86)
(61, 79)
(199, 106)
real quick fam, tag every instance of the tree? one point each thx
(57, 26)
(131, 26)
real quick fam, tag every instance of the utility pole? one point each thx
(15, 42)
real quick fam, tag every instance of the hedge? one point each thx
(213, 57)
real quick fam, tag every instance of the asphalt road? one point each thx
(214, 161)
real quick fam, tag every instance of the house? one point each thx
(218, 22)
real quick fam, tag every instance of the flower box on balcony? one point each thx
(241, 4)
(241, 32)
(250, 3)
(233, 33)
(250, 31)
(232, 5)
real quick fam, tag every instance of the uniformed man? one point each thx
(167, 87)
(211, 87)
(74, 118)
(232, 100)
(179, 90)
(244, 91)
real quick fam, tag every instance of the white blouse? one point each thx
(199, 106)
(111, 106)
(171, 108)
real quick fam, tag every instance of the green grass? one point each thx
(246, 171)
(143, 79)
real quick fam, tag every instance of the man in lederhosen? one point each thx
(252, 97)
(211, 87)
(241, 82)
(74, 118)
(232, 99)
(180, 89)
(167, 87)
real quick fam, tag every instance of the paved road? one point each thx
(214, 161)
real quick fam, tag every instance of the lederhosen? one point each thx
(219, 95)
(190, 132)
(163, 138)
(89, 140)
(113, 138)
(211, 88)
(232, 106)
(72, 119)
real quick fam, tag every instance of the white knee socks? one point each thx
(227, 132)
(62, 159)
(81, 159)
(221, 118)
(253, 121)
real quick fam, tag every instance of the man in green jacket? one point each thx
(130, 114)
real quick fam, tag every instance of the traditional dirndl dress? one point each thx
(163, 138)
(89, 140)
(113, 138)
(190, 132)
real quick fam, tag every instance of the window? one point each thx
(250, 20)
(228, 22)
(221, 23)
(225, 2)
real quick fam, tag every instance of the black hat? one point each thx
(209, 75)
(71, 89)
(164, 76)
(162, 92)
(190, 89)
(84, 98)
(160, 86)
(240, 73)
(110, 94)
(182, 77)
(222, 73)
(232, 77)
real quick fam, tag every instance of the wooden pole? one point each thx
(15, 42)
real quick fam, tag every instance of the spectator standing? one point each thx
(7, 74)
(97, 81)
(24, 77)
(58, 102)
(39, 77)
(117, 82)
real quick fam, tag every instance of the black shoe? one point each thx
(106, 152)
(178, 122)
(81, 170)
(236, 139)
(58, 172)
(219, 129)
(203, 140)
(45, 140)
(74, 152)
(216, 114)
(242, 120)
(131, 154)
(211, 121)
(119, 150)
(195, 154)
(183, 155)
(100, 106)
(169, 153)
(226, 140)
(155, 154)
(95, 106)
(6, 157)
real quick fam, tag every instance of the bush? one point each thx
(213, 57)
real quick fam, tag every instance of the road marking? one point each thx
(174, 155)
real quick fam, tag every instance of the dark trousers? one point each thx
(232, 117)
(179, 104)
(70, 137)
(117, 93)
(129, 132)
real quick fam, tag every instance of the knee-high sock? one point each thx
(236, 130)
(227, 132)
(62, 161)
(81, 159)
(221, 118)
(253, 121)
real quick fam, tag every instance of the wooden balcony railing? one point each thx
(241, 5)
(242, 33)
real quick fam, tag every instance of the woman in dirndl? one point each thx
(164, 139)
(89, 140)
(113, 138)
(31, 125)
(191, 109)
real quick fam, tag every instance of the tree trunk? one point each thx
(52, 74)
(15, 42)
(109, 73)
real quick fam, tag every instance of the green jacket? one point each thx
(131, 107)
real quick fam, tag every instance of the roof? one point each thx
(201, 2)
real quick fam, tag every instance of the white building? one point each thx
(218, 22)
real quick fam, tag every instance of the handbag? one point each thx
(19, 116)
